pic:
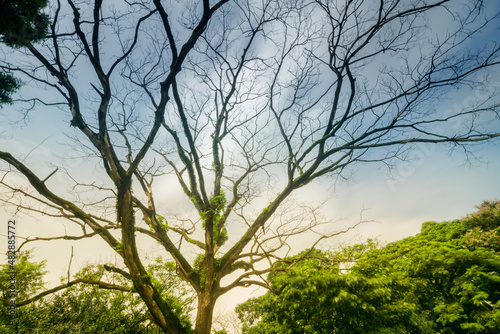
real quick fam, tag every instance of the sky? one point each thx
(435, 184)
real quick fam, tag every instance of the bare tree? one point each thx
(243, 102)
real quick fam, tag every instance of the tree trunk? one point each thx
(162, 314)
(204, 316)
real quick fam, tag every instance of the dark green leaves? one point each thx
(8, 84)
(22, 21)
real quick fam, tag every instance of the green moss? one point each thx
(200, 258)
(119, 247)
(203, 278)
(266, 210)
(163, 222)
(214, 215)
(218, 262)
(201, 268)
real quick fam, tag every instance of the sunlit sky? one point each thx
(437, 184)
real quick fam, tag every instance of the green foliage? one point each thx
(92, 272)
(350, 254)
(484, 226)
(8, 85)
(222, 331)
(23, 21)
(487, 218)
(88, 309)
(314, 296)
(446, 279)
(28, 281)
(177, 294)
(84, 309)
(79, 308)
(451, 269)
(29, 276)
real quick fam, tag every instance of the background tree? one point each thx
(82, 308)
(29, 280)
(21, 22)
(243, 103)
(443, 280)
(451, 270)
(316, 297)
(28, 275)
(8, 85)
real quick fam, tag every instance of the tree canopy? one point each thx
(315, 297)
(88, 308)
(233, 106)
(8, 84)
(446, 279)
(452, 269)
(21, 22)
